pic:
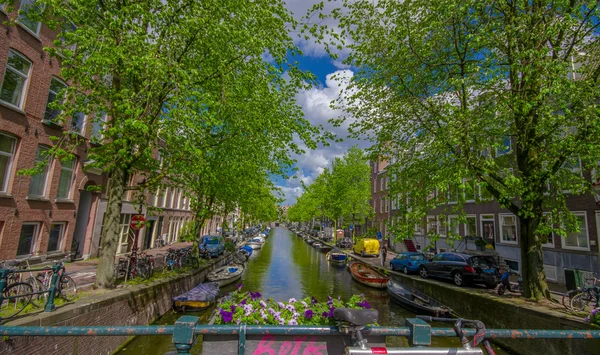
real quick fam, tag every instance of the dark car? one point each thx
(344, 243)
(463, 268)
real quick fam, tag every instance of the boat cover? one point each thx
(203, 292)
(248, 249)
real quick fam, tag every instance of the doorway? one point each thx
(81, 223)
(148, 234)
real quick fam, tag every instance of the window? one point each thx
(381, 205)
(453, 191)
(29, 235)
(470, 226)
(381, 183)
(387, 205)
(16, 76)
(165, 198)
(39, 180)
(470, 191)
(98, 127)
(7, 155)
(488, 227)
(124, 232)
(441, 225)
(506, 146)
(54, 93)
(28, 8)
(431, 225)
(67, 172)
(551, 274)
(78, 123)
(453, 224)
(578, 240)
(57, 231)
(418, 230)
(550, 236)
(508, 229)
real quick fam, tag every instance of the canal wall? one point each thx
(136, 305)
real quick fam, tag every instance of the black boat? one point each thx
(416, 301)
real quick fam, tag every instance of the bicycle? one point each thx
(588, 295)
(353, 321)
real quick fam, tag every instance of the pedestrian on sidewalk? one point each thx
(383, 254)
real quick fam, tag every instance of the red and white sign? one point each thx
(137, 222)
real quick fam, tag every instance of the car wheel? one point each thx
(423, 272)
(458, 278)
(405, 269)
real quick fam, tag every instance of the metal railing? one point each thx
(187, 328)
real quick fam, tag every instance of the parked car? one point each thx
(408, 262)
(344, 243)
(366, 247)
(214, 244)
(463, 268)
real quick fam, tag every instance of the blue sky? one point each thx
(315, 104)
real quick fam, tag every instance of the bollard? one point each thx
(420, 332)
(52, 290)
(242, 340)
(184, 334)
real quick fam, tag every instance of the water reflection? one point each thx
(286, 267)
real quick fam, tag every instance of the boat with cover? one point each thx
(247, 250)
(337, 257)
(196, 299)
(324, 248)
(317, 244)
(256, 243)
(226, 274)
(416, 301)
(367, 275)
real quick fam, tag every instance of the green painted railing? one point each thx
(187, 328)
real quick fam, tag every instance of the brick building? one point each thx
(497, 226)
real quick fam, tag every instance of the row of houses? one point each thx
(52, 213)
(498, 227)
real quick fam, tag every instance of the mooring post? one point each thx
(184, 334)
(242, 340)
(420, 332)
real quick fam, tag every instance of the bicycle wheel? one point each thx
(39, 299)
(17, 297)
(580, 302)
(142, 270)
(567, 297)
(67, 289)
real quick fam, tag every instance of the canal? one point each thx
(286, 267)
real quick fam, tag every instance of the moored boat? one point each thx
(324, 248)
(198, 298)
(416, 301)
(226, 274)
(367, 275)
(336, 257)
(256, 243)
(309, 241)
(247, 250)
(317, 244)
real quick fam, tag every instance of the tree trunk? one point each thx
(532, 261)
(105, 274)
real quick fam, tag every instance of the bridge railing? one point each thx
(187, 328)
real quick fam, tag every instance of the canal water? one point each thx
(286, 267)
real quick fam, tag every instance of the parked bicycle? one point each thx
(132, 266)
(353, 321)
(14, 297)
(589, 295)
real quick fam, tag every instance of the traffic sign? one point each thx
(351, 227)
(323, 224)
(137, 222)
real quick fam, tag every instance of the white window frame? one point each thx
(549, 245)
(381, 182)
(11, 158)
(46, 175)
(387, 205)
(449, 226)
(21, 102)
(44, 119)
(166, 196)
(72, 171)
(60, 237)
(418, 229)
(440, 225)
(381, 205)
(501, 217)
(36, 33)
(587, 232)
(430, 224)
(552, 268)
(466, 225)
(124, 221)
(171, 202)
(576, 170)
(98, 125)
(483, 218)
(34, 240)
(475, 185)
(80, 132)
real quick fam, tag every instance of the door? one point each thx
(81, 223)
(148, 236)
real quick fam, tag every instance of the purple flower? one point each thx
(292, 300)
(239, 287)
(308, 314)
(325, 314)
(281, 305)
(227, 316)
(329, 301)
(255, 295)
(595, 311)
(313, 300)
(293, 322)
(304, 304)
(243, 302)
(339, 298)
(271, 311)
(290, 308)
(248, 308)
(364, 304)
(263, 304)
(281, 321)
(331, 312)
(233, 307)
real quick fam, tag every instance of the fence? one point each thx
(186, 329)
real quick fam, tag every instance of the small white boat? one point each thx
(226, 274)
(256, 243)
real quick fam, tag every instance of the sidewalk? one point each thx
(84, 272)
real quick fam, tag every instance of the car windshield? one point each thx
(417, 257)
(211, 240)
(485, 262)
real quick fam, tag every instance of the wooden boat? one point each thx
(324, 248)
(247, 250)
(317, 244)
(416, 301)
(336, 257)
(198, 298)
(367, 275)
(226, 274)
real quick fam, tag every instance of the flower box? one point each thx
(249, 308)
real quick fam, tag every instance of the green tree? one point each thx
(467, 95)
(146, 63)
